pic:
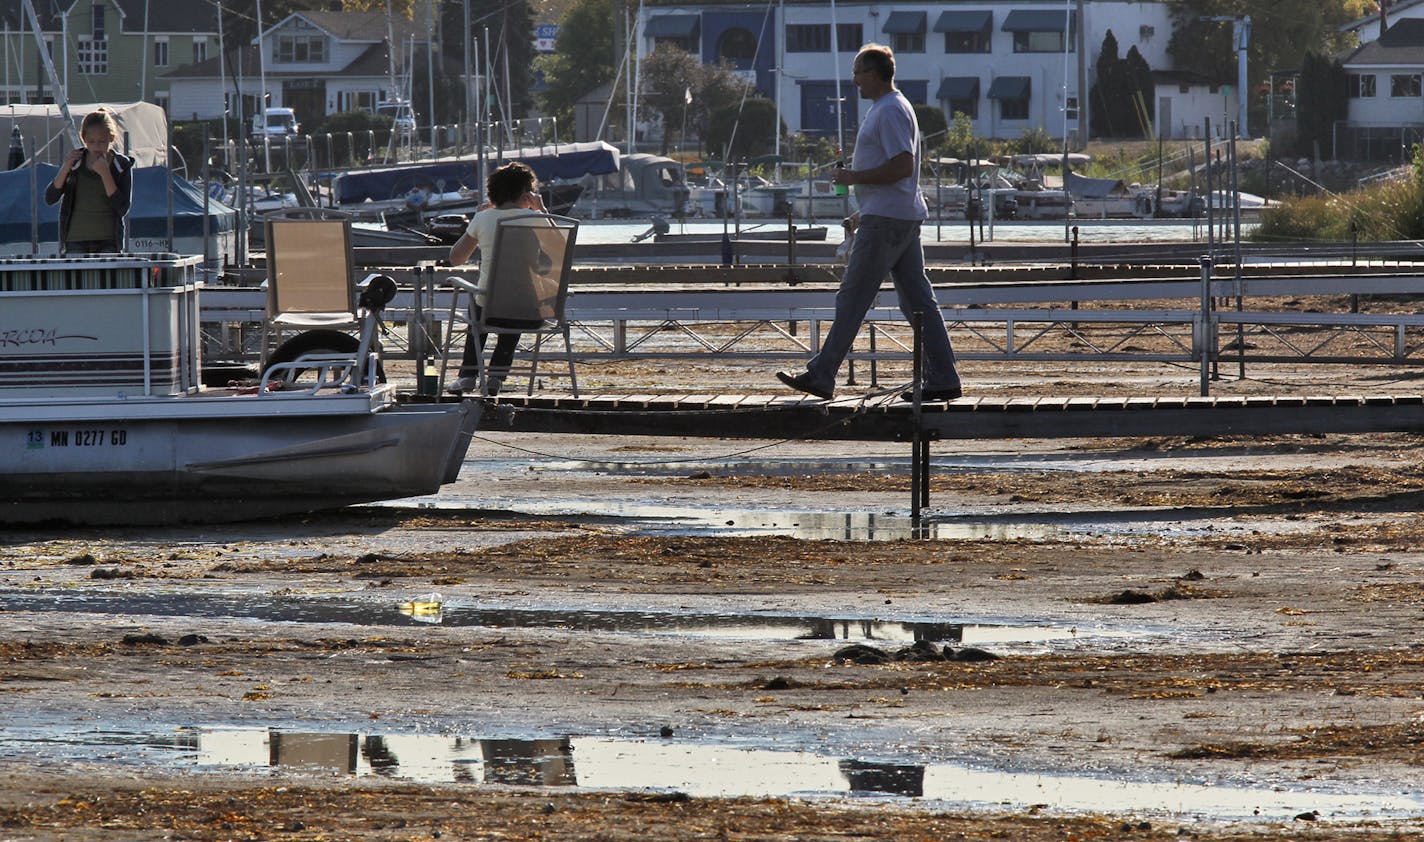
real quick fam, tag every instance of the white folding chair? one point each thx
(528, 288)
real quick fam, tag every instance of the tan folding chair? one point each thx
(310, 288)
(528, 288)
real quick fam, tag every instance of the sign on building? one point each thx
(544, 35)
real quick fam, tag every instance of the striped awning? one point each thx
(905, 23)
(958, 87)
(1010, 87)
(965, 21)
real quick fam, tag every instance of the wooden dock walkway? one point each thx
(887, 418)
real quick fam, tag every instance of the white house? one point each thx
(1386, 108)
(1010, 65)
(1185, 103)
(317, 63)
(1373, 26)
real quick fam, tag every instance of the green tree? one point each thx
(959, 140)
(719, 92)
(1322, 97)
(1105, 96)
(1282, 31)
(670, 77)
(583, 56)
(754, 122)
(932, 123)
(510, 42)
(1141, 91)
(1033, 141)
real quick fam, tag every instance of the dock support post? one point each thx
(919, 444)
(1203, 326)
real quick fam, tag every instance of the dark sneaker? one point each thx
(929, 395)
(802, 383)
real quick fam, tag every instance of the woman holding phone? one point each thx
(94, 187)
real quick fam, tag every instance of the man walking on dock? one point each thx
(886, 172)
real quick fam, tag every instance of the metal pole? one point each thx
(207, 197)
(919, 473)
(167, 177)
(430, 69)
(1210, 199)
(1236, 219)
(34, 204)
(1204, 326)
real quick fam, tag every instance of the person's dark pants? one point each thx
(500, 360)
(91, 247)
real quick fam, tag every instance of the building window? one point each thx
(93, 56)
(968, 107)
(1362, 85)
(300, 49)
(850, 37)
(738, 47)
(808, 38)
(1070, 108)
(1404, 85)
(966, 42)
(908, 42)
(816, 37)
(1038, 42)
(161, 100)
(200, 50)
(359, 101)
(97, 19)
(1013, 109)
(160, 51)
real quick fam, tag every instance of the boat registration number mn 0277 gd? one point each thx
(39, 439)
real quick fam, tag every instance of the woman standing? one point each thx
(94, 187)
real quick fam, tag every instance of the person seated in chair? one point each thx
(510, 190)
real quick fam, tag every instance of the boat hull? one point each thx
(221, 466)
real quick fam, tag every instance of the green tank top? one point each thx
(91, 218)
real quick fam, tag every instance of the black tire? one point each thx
(316, 342)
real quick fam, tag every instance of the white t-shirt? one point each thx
(889, 129)
(483, 227)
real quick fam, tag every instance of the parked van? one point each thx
(275, 123)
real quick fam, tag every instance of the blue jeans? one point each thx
(885, 246)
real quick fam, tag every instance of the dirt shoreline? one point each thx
(1245, 615)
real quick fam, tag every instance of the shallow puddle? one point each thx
(431, 608)
(697, 769)
(668, 520)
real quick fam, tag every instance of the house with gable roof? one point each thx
(1386, 90)
(104, 50)
(316, 63)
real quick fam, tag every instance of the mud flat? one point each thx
(631, 638)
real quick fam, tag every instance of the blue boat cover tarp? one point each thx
(148, 215)
(565, 162)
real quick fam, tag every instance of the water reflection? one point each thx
(704, 770)
(665, 520)
(295, 609)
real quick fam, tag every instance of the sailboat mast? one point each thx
(391, 51)
(222, 80)
(836, 62)
(143, 62)
(60, 93)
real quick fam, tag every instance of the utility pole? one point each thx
(1241, 40)
(1084, 126)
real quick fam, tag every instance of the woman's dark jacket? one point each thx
(121, 168)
